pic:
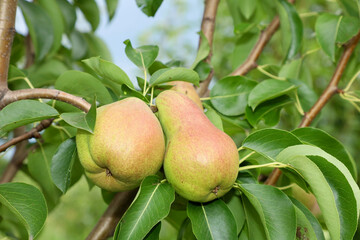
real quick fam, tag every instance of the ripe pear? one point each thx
(201, 162)
(187, 89)
(127, 145)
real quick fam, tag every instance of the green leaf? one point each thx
(150, 206)
(248, 8)
(203, 69)
(234, 203)
(27, 203)
(111, 6)
(133, 93)
(212, 220)
(270, 142)
(229, 95)
(275, 209)
(316, 227)
(349, 27)
(321, 188)
(296, 29)
(46, 73)
(267, 90)
(54, 12)
(63, 163)
(68, 13)
(78, 45)
(91, 12)
(108, 70)
(329, 144)
(326, 29)
(174, 74)
(23, 112)
(214, 118)
(254, 226)
(142, 56)
(96, 46)
(149, 7)
(41, 32)
(307, 95)
(352, 7)
(304, 228)
(260, 112)
(84, 85)
(85, 121)
(154, 232)
(203, 51)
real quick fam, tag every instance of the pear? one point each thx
(187, 89)
(127, 145)
(201, 162)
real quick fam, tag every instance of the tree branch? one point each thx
(7, 31)
(107, 223)
(330, 90)
(13, 96)
(208, 27)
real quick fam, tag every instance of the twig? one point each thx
(33, 133)
(207, 27)
(331, 89)
(13, 96)
(7, 31)
(107, 223)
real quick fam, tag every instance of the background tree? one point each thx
(298, 59)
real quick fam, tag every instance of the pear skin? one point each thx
(201, 162)
(187, 89)
(127, 145)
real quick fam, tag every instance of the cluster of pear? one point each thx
(128, 144)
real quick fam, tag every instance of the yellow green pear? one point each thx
(127, 145)
(201, 162)
(187, 89)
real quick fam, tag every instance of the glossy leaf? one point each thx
(53, 10)
(229, 95)
(69, 14)
(149, 7)
(275, 209)
(133, 93)
(91, 12)
(41, 32)
(212, 220)
(323, 191)
(234, 203)
(150, 206)
(174, 74)
(254, 116)
(304, 228)
(154, 232)
(142, 56)
(296, 29)
(352, 7)
(23, 112)
(214, 118)
(46, 73)
(203, 51)
(84, 85)
(108, 70)
(27, 203)
(111, 6)
(267, 90)
(270, 142)
(254, 225)
(329, 144)
(326, 29)
(349, 27)
(63, 163)
(306, 94)
(316, 227)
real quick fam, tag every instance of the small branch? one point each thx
(107, 223)
(33, 133)
(265, 36)
(13, 96)
(208, 27)
(7, 31)
(331, 89)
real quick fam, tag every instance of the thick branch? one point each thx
(265, 36)
(207, 27)
(12, 96)
(107, 223)
(7, 31)
(331, 89)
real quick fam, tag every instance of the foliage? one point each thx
(260, 111)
